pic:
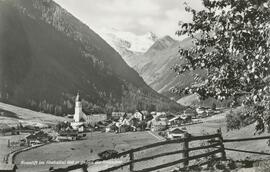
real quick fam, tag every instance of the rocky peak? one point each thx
(162, 43)
(151, 36)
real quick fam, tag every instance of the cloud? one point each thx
(138, 7)
(138, 16)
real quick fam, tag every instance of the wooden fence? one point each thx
(217, 146)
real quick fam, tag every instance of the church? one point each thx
(79, 117)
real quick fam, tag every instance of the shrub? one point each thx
(108, 154)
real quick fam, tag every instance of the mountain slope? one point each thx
(156, 65)
(47, 55)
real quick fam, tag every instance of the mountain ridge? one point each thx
(158, 62)
(128, 44)
(47, 55)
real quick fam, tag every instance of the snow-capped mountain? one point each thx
(128, 44)
(43, 71)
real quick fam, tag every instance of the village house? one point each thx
(139, 115)
(38, 138)
(158, 125)
(153, 113)
(201, 111)
(6, 130)
(175, 133)
(111, 128)
(160, 116)
(129, 115)
(178, 120)
(32, 140)
(160, 113)
(190, 112)
(117, 115)
(134, 123)
(123, 121)
(68, 135)
(95, 118)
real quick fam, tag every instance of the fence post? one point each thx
(131, 158)
(8, 143)
(185, 149)
(220, 139)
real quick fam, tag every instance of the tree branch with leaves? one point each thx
(231, 41)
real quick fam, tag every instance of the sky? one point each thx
(137, 16)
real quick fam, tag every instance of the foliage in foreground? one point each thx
(232, 44)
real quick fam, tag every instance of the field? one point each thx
(13, 116)
(26, 116)
(211, 125)
(88, 149)
(96, 142)
(82, 150)
(4, 150)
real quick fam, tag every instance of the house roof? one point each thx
(154, 122)
(68, 133)
(37, 135)
(176, 131)
(31, 137)
(41, 134)
(118, 113)
(175, 118)
(138, 112)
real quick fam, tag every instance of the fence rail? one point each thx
(246, 139)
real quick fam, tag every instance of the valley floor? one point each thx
(82, 150)
(96, 142)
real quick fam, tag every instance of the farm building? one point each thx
(201, 111)
(67, 135)
(139, 115)
(190, 112)
(111, 128)
(6, 130)
(95, 118)
(175, 133)
(178, 120)
(80, 126)
(117, 114)
(38, 137)
(158, 125)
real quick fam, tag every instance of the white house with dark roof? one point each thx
(175, 133)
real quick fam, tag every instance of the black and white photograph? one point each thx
(134, 85)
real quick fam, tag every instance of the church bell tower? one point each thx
(78, 109)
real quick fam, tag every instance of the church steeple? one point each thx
(78, 108)
(78, 99)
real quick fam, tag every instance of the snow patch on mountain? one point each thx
(130, 41)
